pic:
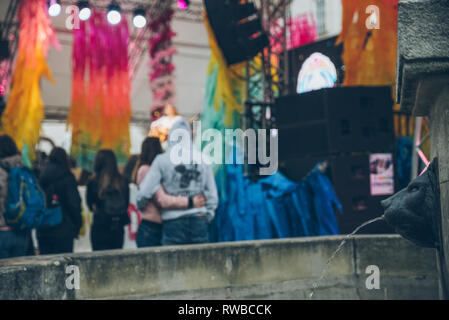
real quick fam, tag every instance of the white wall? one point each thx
(57, 132)
(333, 11)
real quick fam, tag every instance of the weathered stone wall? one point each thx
(423, 90)
(439, 130)
(423, 53)
(271, 269)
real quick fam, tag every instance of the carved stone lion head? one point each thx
(414, 211)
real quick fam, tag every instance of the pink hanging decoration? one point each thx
(302, 30)
(161, 52)
(101, 108)
(4, 76)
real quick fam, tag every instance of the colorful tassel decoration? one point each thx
(100, 108)
(25, 110)
(162, 69)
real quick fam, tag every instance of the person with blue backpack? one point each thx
(61, 189)
(22, 202)
(13, 243)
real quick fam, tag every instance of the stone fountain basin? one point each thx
(266, 269)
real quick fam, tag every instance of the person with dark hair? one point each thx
(150, 229)
(59, 185)
(8, 147)
(151, 147)
(73, 163)
(107, 197)
(39, 163)
(130, 168)
(13, 243)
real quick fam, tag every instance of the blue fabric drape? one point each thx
(404, 150)
(274, 207)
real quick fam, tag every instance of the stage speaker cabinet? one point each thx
(297, 169)
(237, 28)
(354, 179)
(334, 121)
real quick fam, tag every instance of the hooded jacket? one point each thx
(181, 172)
(69, 199)
(6, 164)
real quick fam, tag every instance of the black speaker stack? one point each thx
(342, 126)
(237, 28)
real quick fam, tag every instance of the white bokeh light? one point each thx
(54, 9)
(114, 17)
(85, 14)
(139, 21)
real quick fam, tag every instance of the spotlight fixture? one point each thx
(114, 16)
(183, 4)
(84, 10)
(139, 19)
(54, 8)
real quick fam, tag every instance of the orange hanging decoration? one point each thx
(25, 110)
(100, 110)
(369, 34)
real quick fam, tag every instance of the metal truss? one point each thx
(139, 39)
(194, 13)
(275, 15)
(267, 75)
(138, 43)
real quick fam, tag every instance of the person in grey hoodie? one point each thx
(181, 172)
(13, 243)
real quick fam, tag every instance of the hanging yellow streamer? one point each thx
(228, 78)
(24, 110)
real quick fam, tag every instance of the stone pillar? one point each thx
(423, 90)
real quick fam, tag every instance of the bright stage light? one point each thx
(183, 4)
(85, 14)
(84, 10)
(139, 19)
(114, 16)
(54, 8)
(317, 72)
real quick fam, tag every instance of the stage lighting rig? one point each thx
(139, 19)
(114, 15)
(183, 4)
(54, 8)
(84, 10)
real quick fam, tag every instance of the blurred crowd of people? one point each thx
(176, 202)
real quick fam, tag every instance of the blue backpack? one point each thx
(25, 207)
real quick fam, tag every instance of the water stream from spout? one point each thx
(340, 246)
